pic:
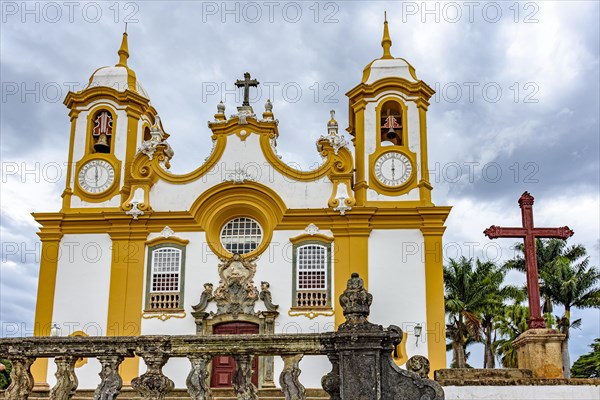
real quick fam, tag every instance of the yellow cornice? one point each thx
(86, 96)
(418, 89)
(167, 240)
(307, 237)
(360, 222)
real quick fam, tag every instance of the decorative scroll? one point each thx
(153, 385)
(198, 380)
(66, 380)
(21, 379)
(290, 384)
(242, 378)
(265, 296)
(111, 382)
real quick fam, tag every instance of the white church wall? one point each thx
(536, 392)
(82, 278)
(397, 283)
(245, 155)
(273, 266)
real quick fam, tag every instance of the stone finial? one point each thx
(268, 114)
(356, 303)
(220, 115)
(419, 365)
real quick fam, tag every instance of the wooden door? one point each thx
(223, 367)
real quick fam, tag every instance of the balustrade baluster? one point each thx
(290, 384)
(111, 382)
(242, 378)
(66, 380)
(21, 378)
(197, 382)
(331, 381)
(153, 384)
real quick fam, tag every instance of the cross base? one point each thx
(536, 323)
(540, 350)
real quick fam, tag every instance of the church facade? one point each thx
(244, 243)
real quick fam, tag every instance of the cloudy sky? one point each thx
(517, 103)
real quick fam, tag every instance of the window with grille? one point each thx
(165, 278)
(312, 266)
(241, 235)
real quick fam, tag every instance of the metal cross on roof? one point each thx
(246, 84)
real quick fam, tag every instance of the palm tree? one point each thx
(571, 286)
(469, 289)
(547, 250)
(510, 325)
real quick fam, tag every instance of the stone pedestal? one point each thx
(540, 351)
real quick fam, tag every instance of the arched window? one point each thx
(165, 277)
(391, 123)
(102, 130)
(312, 270)
(241, 235)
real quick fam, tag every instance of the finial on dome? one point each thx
(332, 125)
(123, 50)
(386, 42)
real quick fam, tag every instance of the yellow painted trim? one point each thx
(226, 201)
(307, 236)
(424, 185)
(164, 240)
(128, 97)
(126, 293)
(360, 188)
(350, 254)
(312, 313)
(66, 203)
(50, 234)
(164, 316)
(109, 193)
(434, 294)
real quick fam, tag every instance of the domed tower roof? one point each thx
(120, 77)
(388, 66)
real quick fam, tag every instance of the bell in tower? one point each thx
(102, 132)
(391, 123)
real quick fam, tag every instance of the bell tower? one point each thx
(110, 118)
(387, 115)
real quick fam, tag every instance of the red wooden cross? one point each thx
(529, 234)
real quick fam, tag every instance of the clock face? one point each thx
(393, 169)
(96, 176)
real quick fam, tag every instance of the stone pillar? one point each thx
(540, 351)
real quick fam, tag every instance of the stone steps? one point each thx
(178, 394)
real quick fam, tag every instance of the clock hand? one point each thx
(393, 170)
(96, 174)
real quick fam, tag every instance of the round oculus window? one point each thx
(241, 235)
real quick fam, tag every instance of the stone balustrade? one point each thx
(360, 354)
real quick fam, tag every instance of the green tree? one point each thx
(588, 365)
(5, 374)
(566, 280)
(571, 286)
(509, 326)
(469, 289)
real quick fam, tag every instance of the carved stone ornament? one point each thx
(419, 365)
(356, 303)
(66, 380)
(311, 229)
(153, 384)
(242, 378)
(135, 212)
(236, 293)
(239, 176)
